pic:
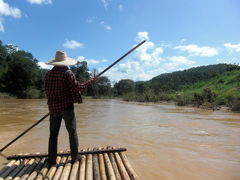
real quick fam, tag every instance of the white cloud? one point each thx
(102, 23)
(44, 66)
(164, 44)
(72, 44)
(120, 7)
(107, 27)
(40, 1)
(6, 10)
(232, 47)
(1, 26)
(129, 70)
(104, 60)
(175, 63)
(195, 50)
(91, 19)
(106, 3)
(142, 36)
(148, 53)
(91, 61)
(143, 65)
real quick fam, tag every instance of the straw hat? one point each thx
(61, 59)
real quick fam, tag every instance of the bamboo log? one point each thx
(89, 168)
(128, 166)
(53, 169)
(9, 170)
(121, 167)
(74, 171)
(96, 171)
(43, 171)
(17, 170)
(65, 154)
(102, 166)
(7, 167)
(114, 165)
(82, 167)
(37, 168)
(66, 170)
(23, 171)
(31, 165)
(110, 170)
(60, 168)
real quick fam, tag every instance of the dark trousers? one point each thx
(55, 123)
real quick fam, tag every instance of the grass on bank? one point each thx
(221, 90)
(6, 96)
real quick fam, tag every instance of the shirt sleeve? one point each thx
(75, 85)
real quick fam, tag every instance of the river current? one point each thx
(163, 141)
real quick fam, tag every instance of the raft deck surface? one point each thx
(97, 163)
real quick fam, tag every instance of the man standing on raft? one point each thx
(63, 90)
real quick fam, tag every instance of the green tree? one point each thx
(104, 86)
(124, 86)
(22, 72)
(81, 71)
(141, 87)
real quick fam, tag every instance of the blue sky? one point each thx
(180, 33)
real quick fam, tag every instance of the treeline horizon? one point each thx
(22, 77)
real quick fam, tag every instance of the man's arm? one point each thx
(76, 85)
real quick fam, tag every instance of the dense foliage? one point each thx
(21, 76)
(174, 81)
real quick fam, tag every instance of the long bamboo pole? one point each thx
(67, 154)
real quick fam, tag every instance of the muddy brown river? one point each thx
(163, 141)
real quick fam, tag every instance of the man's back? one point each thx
(58, 88)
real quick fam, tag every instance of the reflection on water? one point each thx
(163, 141)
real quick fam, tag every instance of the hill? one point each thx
(206, 86)
(223, 89)
(174, 81)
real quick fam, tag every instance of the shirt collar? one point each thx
(60, 68)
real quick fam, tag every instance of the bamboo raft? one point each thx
(95, 164)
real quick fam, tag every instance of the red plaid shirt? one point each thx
(62, 88)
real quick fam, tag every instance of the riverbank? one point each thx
(7, 96)
(179, 100)
(168, 101)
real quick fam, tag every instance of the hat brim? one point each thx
(67, 62)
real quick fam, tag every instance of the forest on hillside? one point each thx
(209, 86)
